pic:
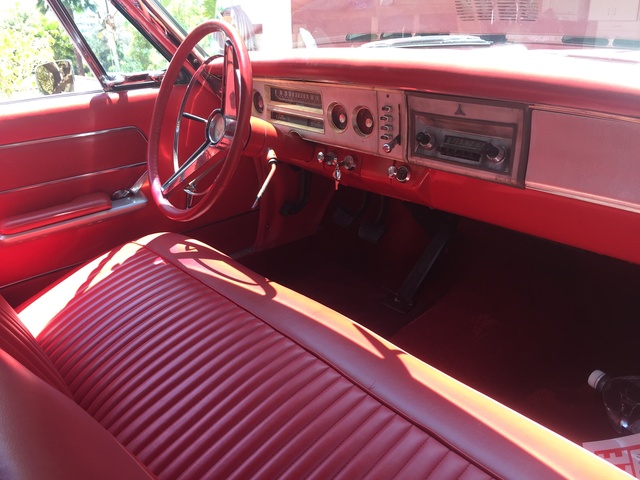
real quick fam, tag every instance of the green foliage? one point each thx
(191, 13)
(24, 44)
(59, 40)
(30, 36)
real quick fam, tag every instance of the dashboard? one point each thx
(480, 139)
(533, 146)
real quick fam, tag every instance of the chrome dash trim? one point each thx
(583, 113)
(585, 197)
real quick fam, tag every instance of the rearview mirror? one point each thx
(55, 77)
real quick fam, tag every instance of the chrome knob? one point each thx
(387, 147)
(329, 158)
(425, 140)
(494, 153)
(401, 173)
(349, 163)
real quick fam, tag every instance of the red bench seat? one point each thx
(200, 368)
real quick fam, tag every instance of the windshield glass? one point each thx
(353, 23)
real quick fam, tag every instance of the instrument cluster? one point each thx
(362, 119)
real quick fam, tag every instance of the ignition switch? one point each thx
(331, 159)
(328, 158)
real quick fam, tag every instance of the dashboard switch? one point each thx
(388, 147)
(329, 158)
(401, 173)
(349, 163)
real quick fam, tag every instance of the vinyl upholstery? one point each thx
(203, 369)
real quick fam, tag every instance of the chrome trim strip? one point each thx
(69, 179)
(583, 113)
(80, 43)
(584, 197)
(118, 207)
(40, 141)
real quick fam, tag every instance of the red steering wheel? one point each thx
(227, 128)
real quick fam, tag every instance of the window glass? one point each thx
(118, 46)
(31, 36)
(38, 58)
(189, 14)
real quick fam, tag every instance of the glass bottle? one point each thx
(621, 396)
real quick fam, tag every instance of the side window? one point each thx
(116, 43)
(37, 57)
(36, 54)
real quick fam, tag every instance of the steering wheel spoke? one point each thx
(230, 82)
(191, 116)
(188, 171)
(227, 127)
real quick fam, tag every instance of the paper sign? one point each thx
(623, 452)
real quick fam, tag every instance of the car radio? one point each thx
(472, 138)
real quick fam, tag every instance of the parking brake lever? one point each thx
(272, 160)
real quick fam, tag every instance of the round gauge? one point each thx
(364, 121)
(338, 116)
(258, 102)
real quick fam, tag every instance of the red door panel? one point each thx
(61, 160)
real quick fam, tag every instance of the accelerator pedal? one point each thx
(443, 226)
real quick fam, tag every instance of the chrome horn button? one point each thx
(216, 127)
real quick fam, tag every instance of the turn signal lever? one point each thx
(272, 161)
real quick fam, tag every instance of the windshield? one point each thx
(353, 23)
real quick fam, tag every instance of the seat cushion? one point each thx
(203, 369)
(44, 434)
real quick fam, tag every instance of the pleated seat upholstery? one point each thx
(202, 369)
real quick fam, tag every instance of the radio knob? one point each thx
(494, 153)
(425, 140)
